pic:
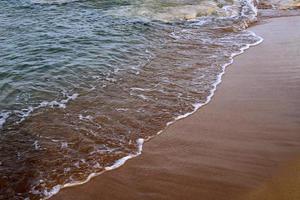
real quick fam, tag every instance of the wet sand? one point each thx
(233, 147)
(281, 186)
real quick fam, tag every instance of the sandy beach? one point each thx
(243, 145)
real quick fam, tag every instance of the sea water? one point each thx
(84, 83)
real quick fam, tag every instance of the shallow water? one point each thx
(81, 82)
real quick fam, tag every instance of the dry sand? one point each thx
(230, 148)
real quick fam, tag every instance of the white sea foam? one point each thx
(53, 191)
(97, 165)
(112, 80)
(141, 141)
(219, 78)
(87, 117)
(64, 145)
(142, 96)
(121, 161)
(51, 1)
(3, 117)
(92, 88)
(117, 164)
(36, 145)
(139, 89)
(122, 109)
(24, 113)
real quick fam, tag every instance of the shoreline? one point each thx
(123, 174)
(141, 141)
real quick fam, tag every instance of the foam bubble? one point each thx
(53, 191)
(24, 113)
(36, 145)
(64, 145)
(3, 117)
(218, 81)
(87, 117)
(51, 1)
(122, 109)
(122, 161)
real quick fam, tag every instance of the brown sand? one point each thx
(283, 186)
(231, 146)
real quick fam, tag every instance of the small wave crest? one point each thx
(170, 11)
(52, 1)
(24, 113)
(109, 123)
(3, 116)
(118, 163)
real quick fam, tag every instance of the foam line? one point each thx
(116, 165)
(141, 141)
(3, 117)
(219, 79)
(27, 111)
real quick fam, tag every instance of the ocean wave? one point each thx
(118, 163)
(187, 10)
(3, 116)
(109, 123)
(24, 113)
(52, 1)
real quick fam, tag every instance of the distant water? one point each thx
(83, 83)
